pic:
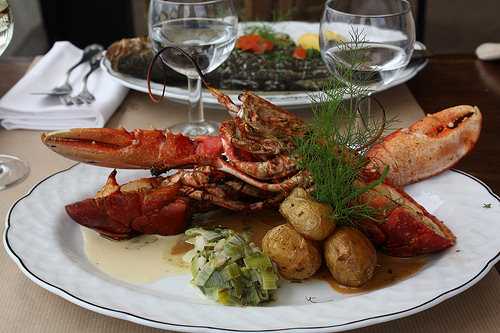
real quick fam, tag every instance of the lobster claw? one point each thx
(141, 149)
(144, 206)
(404, 228)
(428, 147)
(428, 234)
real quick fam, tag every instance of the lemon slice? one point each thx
(311, 40)
(332, 35)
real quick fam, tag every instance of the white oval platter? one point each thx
(289, 99)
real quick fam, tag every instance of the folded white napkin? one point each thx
(21, 110)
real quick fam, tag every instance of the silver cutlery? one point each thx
(85, 96)
(65, 89)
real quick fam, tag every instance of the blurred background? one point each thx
(445, 26)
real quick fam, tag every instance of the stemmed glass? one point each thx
(12, 169)
(380, 33)
(207, 31)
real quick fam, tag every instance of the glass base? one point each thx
(12, 171)
(195, 129)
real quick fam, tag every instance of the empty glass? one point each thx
(374, 40)
(207, 31)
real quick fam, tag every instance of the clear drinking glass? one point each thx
(382, 34)
(207, 31)
(12, 169)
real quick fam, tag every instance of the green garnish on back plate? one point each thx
(226, 267)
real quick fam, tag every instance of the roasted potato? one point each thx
(296, 257)
(310, 218)
(350, 257)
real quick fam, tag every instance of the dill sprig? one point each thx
(333, 149)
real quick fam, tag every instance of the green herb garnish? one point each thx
(333, 149)
(488, 205)
(266, 31)
(313, 53)
(229, 269)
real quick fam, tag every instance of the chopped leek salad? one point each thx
(229, 269)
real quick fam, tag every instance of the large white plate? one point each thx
(47, 247)
(289, 99)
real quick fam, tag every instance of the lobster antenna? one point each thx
(158, 55)
(382, 125)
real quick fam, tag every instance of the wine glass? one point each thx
(12, 169)
(207, 31)
(370, 41)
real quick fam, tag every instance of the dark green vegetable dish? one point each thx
(263, 60)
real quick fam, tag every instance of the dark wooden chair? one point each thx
(87, 22)
(97, 21)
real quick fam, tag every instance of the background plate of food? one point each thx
(284, 74)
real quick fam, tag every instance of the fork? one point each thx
(85, 96)
(65, 89)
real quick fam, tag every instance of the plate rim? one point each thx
(124, 315)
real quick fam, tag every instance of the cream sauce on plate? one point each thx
(148, 258)
(143, 259)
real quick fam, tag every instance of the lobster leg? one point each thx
(301, 178)
(278, 167)
(261, 115)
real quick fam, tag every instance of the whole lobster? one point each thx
(248, 166)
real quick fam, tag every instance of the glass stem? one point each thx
(196, 114)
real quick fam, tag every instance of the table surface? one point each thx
(446, 81)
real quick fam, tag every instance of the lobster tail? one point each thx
(144, 206)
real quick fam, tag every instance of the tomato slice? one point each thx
(254, 43)
(299, 53)
(248, 42)
(268, 45)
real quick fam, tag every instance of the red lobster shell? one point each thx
(143, 206)
(404, 228)
(252, 155)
